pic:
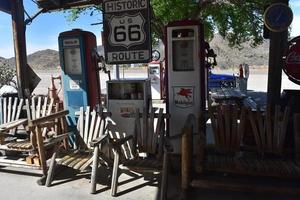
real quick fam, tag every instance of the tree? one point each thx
(7, 74)
(236, 20)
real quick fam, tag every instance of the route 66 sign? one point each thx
(127, 30)
(127, 37)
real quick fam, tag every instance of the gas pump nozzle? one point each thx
(100, 59)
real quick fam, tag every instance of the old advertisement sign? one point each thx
(127, 37)
(292, 60)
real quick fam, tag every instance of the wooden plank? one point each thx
(283, 130)
(44, 107)
(296, 123)
(150, 135)
(1, 111)
(214, 127)
(38, 107)
(86, 124)
(41, 150)
(235, 142)
(97, 130)
(5, 110)
(241, 128)
(276, 127)
(82, 162)
(87, 164)
(145, 130)
(255, 131)
(221, 130)
(14, 109)
(33, 108)
(92, 128)
(159, 129)
(261, 132)
(77, 160)
(81, 124)
(137, 139)
(9, 109)
(269, 129)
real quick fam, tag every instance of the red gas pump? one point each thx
(186, 85)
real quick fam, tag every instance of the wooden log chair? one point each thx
(147, 151)
(245, 166)
(10, 110)
(87, 154)
(45, 127)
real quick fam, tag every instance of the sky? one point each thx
(44, 30)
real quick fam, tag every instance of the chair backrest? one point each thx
(90, 125)
(10, 109)
(228, 127)
(39, 106)
(148, 134)
(270, 129)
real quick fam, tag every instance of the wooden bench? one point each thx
(45, 128)
(229, 163)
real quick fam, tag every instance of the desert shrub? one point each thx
(7, 75)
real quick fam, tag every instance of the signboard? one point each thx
(5, 6)
(127, 36)
(292, 61)
(183, 96)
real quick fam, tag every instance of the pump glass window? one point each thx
(183, 49)
(183, 55)
(72, 61)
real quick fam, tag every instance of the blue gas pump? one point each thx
(80, 74)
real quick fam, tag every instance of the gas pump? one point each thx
(80, 77)
(185, 76)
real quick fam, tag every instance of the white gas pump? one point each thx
(186, 75)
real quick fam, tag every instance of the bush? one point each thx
(7, 75)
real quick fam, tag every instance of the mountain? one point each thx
(226, 57)
(44, 59)
(230, 57)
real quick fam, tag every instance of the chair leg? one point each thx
(51, 170)
(94, 170)
(164, 178)
(114, 181)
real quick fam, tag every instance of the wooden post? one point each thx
(297, 136)
(278, 42)
(18, 26)
(186, 162)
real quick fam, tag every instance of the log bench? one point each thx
(230, 164)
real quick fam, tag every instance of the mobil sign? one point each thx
(292, 60)
(127, 37)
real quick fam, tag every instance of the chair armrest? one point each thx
(50, 117)
(98, 140)
(11, 125)
(119, 142)
(55, 140)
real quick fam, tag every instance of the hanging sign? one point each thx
(5, 6)
(292, 60)
(127, 37)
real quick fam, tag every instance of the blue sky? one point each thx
(43, 32)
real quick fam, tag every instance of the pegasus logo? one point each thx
(187, 93)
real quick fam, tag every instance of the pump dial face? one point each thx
(72, 61)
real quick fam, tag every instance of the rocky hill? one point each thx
(230, 57)
(227, 57)
(45, 59)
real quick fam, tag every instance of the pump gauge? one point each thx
(72, 61)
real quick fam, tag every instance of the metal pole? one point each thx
(18, 25)
(278, 42)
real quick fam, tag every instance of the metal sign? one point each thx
(292, 60)
(5, 6)
(127, 37)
